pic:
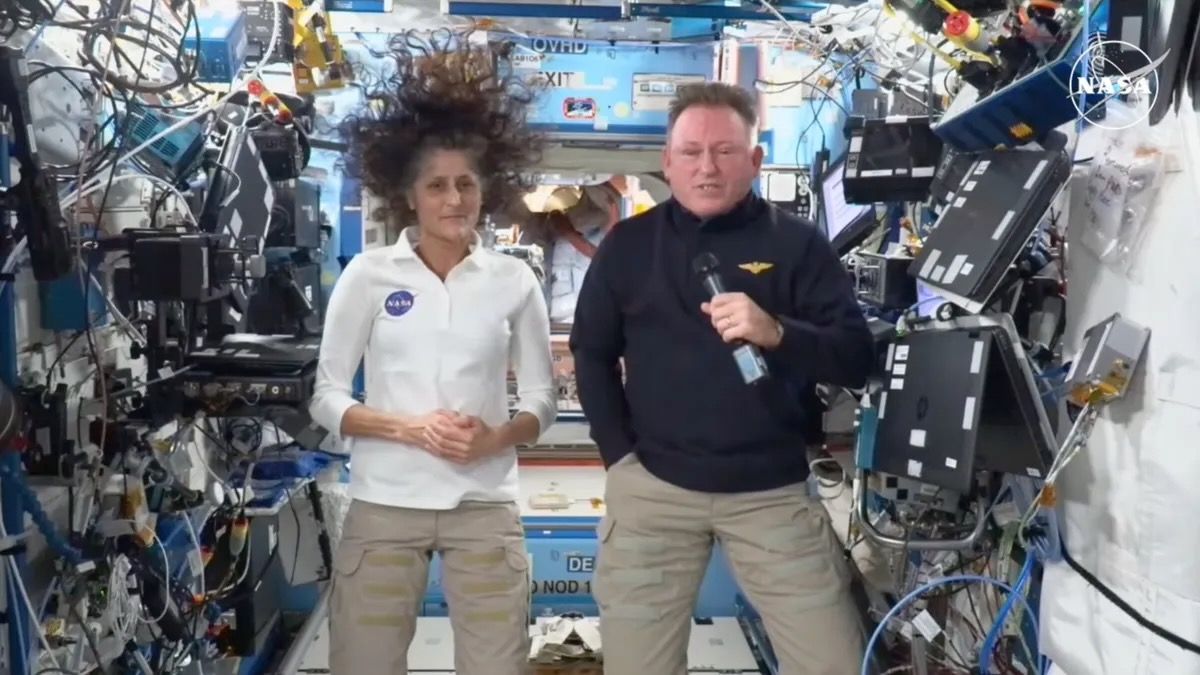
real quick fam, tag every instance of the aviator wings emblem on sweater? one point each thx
(756, 267)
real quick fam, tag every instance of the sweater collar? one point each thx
(744, 212)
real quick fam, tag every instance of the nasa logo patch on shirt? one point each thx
(398, 303)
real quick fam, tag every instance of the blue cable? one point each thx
(1047, 545)
(33, 506)
(989, 643)
(921, 591)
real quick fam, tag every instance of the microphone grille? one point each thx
(704, 263)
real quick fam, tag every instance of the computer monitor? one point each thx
(845, 225)
(959, 397)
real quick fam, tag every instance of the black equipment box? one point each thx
(290, 388)
(869, 103)
(173, 267)
(249, 190)
(949, 176)
(957, 399)
(295, 216)
(892, 159)
(788, 189)
(288, 302)
(252, 370)
(882, 280)
(984, 230)
(260, 24)
(281, 151)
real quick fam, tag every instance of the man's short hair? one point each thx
(715, 95)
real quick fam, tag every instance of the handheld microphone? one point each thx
(749, 358)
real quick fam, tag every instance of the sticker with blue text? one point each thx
(398, 303)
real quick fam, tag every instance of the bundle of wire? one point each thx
(132, 55)
(123, 607)
(1015, 596)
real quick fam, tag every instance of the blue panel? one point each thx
(868, 421)
(766, 138)
(756, 631)
(63, 302)
(222, 48)
(563, 554)
(602, 91)
(173, 153)
(798, 132)
(687, 29)
(1040, 100)
(358, 5)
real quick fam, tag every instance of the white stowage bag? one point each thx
(1129, 499)
(1122, 187)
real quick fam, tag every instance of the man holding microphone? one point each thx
(721, 308)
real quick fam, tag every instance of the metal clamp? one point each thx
(877, 537)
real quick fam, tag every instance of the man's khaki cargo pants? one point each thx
(656, 542)
(381, 572)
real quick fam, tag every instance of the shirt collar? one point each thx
(405, 248)
(743, 213)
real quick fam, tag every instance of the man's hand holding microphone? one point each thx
(738, 320)
(736, 317)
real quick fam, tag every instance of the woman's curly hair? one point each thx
(444, 93)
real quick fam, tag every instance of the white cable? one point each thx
(199, 554)
(91, 185)
(73, 198)
(246, 555)
(145, 38)
(123, 608)
(828, 485)
(788, 24)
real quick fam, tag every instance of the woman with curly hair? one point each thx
(437, 320)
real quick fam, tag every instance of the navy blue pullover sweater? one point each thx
(683, 407)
